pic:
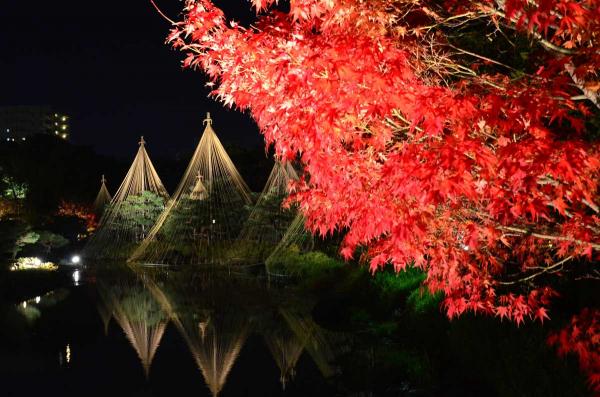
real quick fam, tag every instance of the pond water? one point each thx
(159, 331)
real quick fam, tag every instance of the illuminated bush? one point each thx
(32, 263)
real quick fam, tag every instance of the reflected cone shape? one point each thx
(286, 348)
(106, 313)
(313, 340)
(131, 213)
(144, 338)
(139, 316)
(205, 214)
(215, 348)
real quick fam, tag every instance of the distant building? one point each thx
(19, 122)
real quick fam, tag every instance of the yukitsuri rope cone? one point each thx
(103, 198)
(204, 215)
(131, 213)
(295, 242)
(268, 221)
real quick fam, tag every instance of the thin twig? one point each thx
(531, 277)
(162, 14)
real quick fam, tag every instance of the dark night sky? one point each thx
(105, 63)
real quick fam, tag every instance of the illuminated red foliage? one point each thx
(582, 337)
(83, 212)
(482, 180)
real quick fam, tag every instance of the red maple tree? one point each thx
(425, 152)
(81, 211)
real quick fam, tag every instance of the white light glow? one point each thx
(37, 261)
(76, 277)
(38, 299)
(68, 353)
(24, 305)
(75, 259)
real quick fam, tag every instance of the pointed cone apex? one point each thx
(103, 198)
(207, 120)
(142, 142)
(199, 191)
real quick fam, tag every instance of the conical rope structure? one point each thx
(268, 221)
(103, 198)
(139, 316)
(295, 242)
(133, 210)
(205, 214)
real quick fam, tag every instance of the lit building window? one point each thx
(56, 132)
(64, 127)
(64, 136)
(64, 118)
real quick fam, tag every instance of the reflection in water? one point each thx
(214, 314)
(242, 337)
(215, 346)
(105, 311)
(286, 348)
(31, 308)
(137, 314)
(316, 343)
(213, 328)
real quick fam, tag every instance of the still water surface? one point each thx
(156, 331)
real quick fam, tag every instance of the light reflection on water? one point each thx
(148, 331)
(215, 316)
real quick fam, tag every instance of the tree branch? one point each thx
(549, 237)
(548, 269)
